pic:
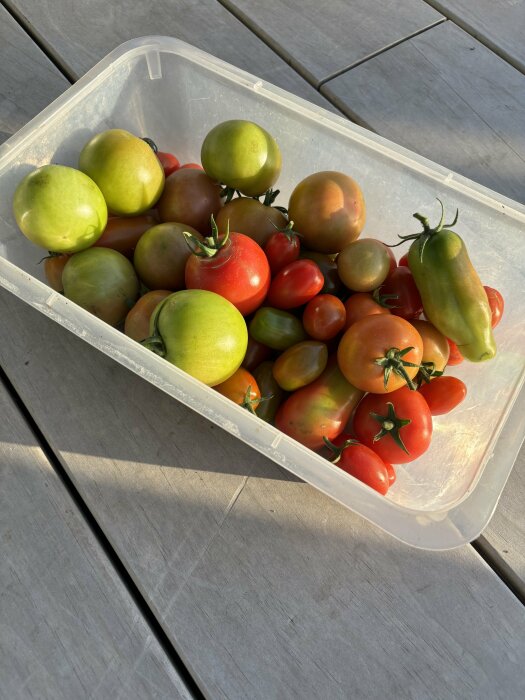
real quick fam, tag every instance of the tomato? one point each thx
(380, 353)
(496, 303)
(282, 248)
(276, 328)
(295, 284)
(392, 259)
(436, 350)
(300, 364)
(241, 155)
(242, 389)
(403, 260)
(400, 283)
(271, 393)
(391, 473)
(328, 210)
(191, 166)
(324, 316)
(443, 394)
(255, 354)
(200, 332)
(122, 233)
(360, 462)
(455, 357)
(53, 267)
(328, 265)
(251, 217)
(137, 322)
(320, 409)
(360, 305)
(234, 266)
(363, 264)
(397, 426)
(190, 197)
(161, 255)
(169, 162)
(103, 282)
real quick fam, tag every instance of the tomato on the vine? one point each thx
(359, 461)
(397, 426)
(443, 394)
(295, 284)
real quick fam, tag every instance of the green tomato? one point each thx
(60, 209)
(242, 155)
(300, 364)
(275, 328)
(200, 332)
(125, 168)
(102, 281)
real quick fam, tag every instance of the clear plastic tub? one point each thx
(174, 93)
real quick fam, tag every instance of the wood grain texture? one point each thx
(447, 97)
(267, 588)
(81, 33)
(320, 39)
(500, 24)
(68, 628)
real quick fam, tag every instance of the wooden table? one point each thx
(140, 562)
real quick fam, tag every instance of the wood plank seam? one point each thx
(131, 587)
(496, 562)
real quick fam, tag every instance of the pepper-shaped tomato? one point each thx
(295, 284)
(233, 266)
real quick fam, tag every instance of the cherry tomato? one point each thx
(328, 266)
(137, 322)
(443, 394)
(397, 426)
(360, 305)
(276, 328)
(53, 267)
(242, 389)
(380, 353)
(122, 233)
(190, 197)
(364, 264)
(169, 162)
(360, 461)
(237, 270)
(256, 353)
(454, 357)
(403, 260)
(282, 248)
(400, 283)
(300, 364)
(251, 217)
(295, 284)
(497, 304)
(324, 316)
(191, 166)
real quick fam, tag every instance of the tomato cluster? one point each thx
(287, 312)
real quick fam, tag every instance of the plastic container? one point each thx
(174, 93)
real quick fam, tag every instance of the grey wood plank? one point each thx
(81, 33)
(267, 588)
(320, 39)
(500, 24)
(447, 97)
(68, 627)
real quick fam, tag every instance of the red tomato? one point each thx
(53, 267)
(191, 166)
(393, 261)
(391, 473)
(360, 462)
(169, 162)
(455, 357)
(397, 426)
(282, 248)
(497, 304)
(442, 394)
(324, 316)
(400, 283)
(403, 260)
(242, 389)
(295, 284)
(360, 305)
(237, 270)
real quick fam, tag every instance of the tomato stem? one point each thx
(337, 450)
(393, 361)
(151, 144)
(155, 342)
(391, 425)
(382, 299)
(211, 245)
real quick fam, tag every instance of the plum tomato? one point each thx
(380, 353)
(251, 217)
(443, 394)
(242, 389)
(54, 265)
(324, 317)
(300, 364)
(190, 197)
(363, 264)
(137, 322)
(328, 210)
(362, 304)
(241, 155)
(233, 266)
(282, 248)
(122, 233)
(169, 162)
(396, 426)
(276, 328)
(295, 284)
(496, 303)
(403, 296)
(359, 461)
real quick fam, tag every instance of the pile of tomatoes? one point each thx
(290, 313)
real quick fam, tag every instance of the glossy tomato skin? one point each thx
(255, 354)
(295, 284)
(400, 283)
(191, 166)
(435, 346)
(408, 405)
(239, 272)
(53, 268)
(328, 266)
(271, 392)
(496, 303)
(190, 197)
(241, 388)
(251, 217)
(364, 464)
(276, 328)
(363, 265)
(371, 338)
(169, 162)
(454, 356)
(137, 322)
(403, 260)
(282, 249)
(324, 317)
(122, 233)
(443, 394)
(360, 305)
(300, 364)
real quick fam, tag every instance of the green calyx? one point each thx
(155, 342)
(391, 425)
(337, 450)
(287, 230)
(426, 234)
(426, 372)
(151, 144)
(393, 361)
(383, 299)
(211, 245)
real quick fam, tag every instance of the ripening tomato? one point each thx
(359, 461)
(436, 350)
(324, 316)
(242, 389)
(122, 233)
(403, 260)
(360, 305)
(137, 322)
(190, 197)
(53, 267)
(255, 354)
(234, 266)
(276, 328)
(191, 166)
(300, 364)
(454, 356)
(496, 303)
(404, 297)
(169, 162)
(272, 395)
(380, 353)
(328, 266)
(364, 264)
(396, 426)
(295, 284)
(251, 217)
(282, 248)
(443, 394)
